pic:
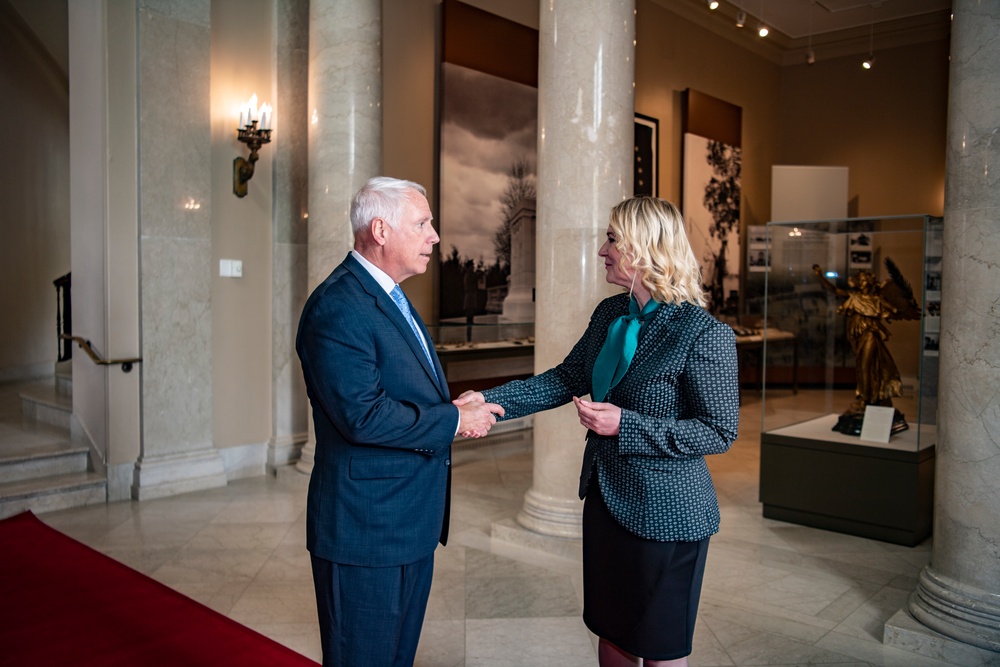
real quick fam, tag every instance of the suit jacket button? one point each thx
(447, 462)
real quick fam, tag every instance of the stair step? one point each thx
(47, 494)
(45, 403)
(41, 459)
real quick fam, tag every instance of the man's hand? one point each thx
(469, 397)
(476, 416)
(601, 418)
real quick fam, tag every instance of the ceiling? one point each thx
(801, 18)
(820, 29)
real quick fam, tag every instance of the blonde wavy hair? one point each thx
(649, 234)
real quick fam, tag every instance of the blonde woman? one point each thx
(662, 377)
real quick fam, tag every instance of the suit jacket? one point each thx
(679, 401)
(384, 424)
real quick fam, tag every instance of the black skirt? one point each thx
(639, 594)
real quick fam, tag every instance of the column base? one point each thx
(510, 532)
(904, 632)
(178, 473)
(285, 450)
(954, 610)
(558, 517)
(305, 463)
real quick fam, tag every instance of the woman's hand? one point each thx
(601, 418)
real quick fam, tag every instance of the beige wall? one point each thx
(674, 54)
(886, 125)
(242, 51)
(34, 200)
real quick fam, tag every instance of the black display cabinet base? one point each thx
(882, 492)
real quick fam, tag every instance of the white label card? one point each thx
(877, 426)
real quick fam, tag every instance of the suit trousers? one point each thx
(371, 615)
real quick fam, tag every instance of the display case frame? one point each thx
(810, 473)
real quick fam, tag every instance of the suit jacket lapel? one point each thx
(391, 310)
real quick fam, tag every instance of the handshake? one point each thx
(476, 416)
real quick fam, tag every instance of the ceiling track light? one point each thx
(810, 54)
(741, 19)
(869, 62)
(713, 4)
(762, 29)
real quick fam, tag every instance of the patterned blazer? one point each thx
(679, 401)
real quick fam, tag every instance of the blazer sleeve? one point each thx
(362, 382)
(708, 389)
(556, 386)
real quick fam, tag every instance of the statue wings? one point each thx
(896, 291)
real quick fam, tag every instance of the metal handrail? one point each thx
(85, 345)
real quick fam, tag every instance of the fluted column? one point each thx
(345, 130)
(585, 142)
(958, 593)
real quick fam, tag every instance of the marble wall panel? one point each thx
(176, 326)
(290, 400)
(174, 127)
(175, 253)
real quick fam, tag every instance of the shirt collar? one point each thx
(380, 276)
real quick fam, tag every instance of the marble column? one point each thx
(958, 593)
(345, 130)
(175, 246)
(290, 232)
(585, 142)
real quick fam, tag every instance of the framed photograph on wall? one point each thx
(710, 197)
(647, 134)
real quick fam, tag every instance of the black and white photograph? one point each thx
(861, 259)
(712, 214)
(860, 240)
(931, 344)
(487, 175)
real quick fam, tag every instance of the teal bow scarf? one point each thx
(619, 347)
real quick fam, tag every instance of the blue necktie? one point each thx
(404, 307)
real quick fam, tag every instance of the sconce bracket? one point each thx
(243, 168)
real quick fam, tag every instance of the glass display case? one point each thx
(853, 449)
(485, 353)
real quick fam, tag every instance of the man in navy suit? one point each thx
(379, 494)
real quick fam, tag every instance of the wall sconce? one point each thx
(254, 130)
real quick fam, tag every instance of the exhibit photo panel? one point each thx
(487, 177)
(710, 197)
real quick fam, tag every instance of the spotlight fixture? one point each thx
(254, 130)
(810, 54)
(870, 60)
(741, 19)
(713, 4)
(761, 26)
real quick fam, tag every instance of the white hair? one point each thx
(381, 197)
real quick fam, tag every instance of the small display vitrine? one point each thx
(863, 298)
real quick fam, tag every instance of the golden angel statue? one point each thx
(869, 306)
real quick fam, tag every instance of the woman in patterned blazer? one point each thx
(662, 376)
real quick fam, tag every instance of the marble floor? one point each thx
(774, 593)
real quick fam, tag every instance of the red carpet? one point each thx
(62, 603)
